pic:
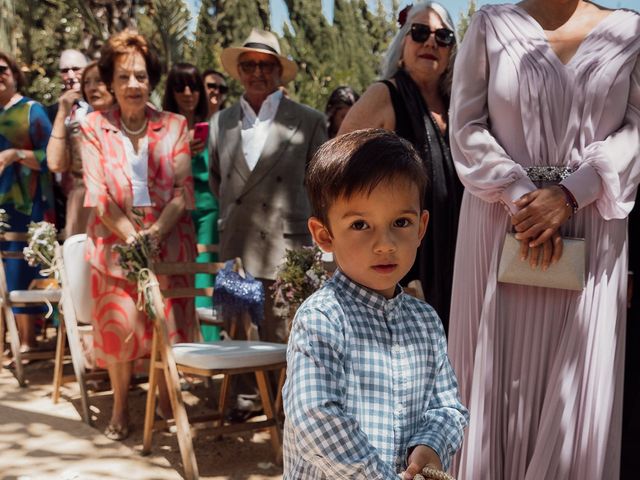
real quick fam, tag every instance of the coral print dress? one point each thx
(541, 369)
(122, 332)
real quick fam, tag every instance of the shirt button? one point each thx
(263, 235)
(264, 206)
(396, 349)
(238, 201)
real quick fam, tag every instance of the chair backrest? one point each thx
(78, 276)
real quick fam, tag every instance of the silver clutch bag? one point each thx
(567, 274)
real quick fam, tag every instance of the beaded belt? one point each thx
(548, 174)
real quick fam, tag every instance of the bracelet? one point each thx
(58, 137)
(572, 203)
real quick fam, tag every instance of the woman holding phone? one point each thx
(185, 94)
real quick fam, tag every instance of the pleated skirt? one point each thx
(541, 370)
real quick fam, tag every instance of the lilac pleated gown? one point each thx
(541, 370)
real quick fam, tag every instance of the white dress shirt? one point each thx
(255, 128)
(138, 169)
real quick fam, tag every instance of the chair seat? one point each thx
(208, 316)
(52, 295)
(229, 354)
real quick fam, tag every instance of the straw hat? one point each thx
(258, 41)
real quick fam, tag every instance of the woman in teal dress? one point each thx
(25, 183)
(185, 94)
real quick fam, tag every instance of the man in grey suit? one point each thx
(258, 150)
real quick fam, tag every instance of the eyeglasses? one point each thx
(70, 69)
(249, 67)
(219, 87)
(182, 86)
(4, 69)
(420, 33)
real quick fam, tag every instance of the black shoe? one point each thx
(240, 416)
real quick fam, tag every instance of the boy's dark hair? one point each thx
(358, 162)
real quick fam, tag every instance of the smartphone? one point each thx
(201, 131)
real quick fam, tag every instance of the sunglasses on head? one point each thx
(70, 69)
(250, 66)
(420, 33)
(4, 69)
(180, 87)
(217, 86)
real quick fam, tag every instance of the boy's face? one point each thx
(374, 238)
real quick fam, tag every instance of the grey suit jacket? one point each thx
(264, 211)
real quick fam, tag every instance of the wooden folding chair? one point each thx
(206, 360)
(20, 298)
(76, 302)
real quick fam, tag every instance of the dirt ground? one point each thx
(40, 440)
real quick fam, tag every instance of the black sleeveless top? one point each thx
(435, 259)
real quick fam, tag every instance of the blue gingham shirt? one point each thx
(367, 379)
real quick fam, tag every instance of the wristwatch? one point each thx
(21, 155)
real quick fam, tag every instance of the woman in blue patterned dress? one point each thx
(25, 184)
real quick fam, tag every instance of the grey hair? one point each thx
(393, 56)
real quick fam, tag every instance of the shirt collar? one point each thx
(270, 104)
(366, 296)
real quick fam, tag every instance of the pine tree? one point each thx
(312, 44)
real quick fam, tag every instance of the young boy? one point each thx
(370, 392)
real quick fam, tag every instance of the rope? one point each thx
(429, 473)
(145, 284)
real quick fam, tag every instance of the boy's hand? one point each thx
(420, 457)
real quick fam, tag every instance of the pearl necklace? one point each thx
(133, 133)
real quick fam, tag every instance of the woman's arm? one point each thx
(372, 110)
(183, 196)
(484, 167)
(57, 149)
(97, 196)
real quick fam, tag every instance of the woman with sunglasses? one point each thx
(25, 183)
(545, 129)
(216, 88)
(63, 150)
(137, 170)
(185, 94)
(413, 100)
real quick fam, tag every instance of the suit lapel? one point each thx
(231, 142)
(284, 126)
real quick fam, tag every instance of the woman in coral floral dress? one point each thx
(137, 170)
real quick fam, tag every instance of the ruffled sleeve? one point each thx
(483, 165)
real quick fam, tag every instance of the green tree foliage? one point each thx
(465, 18)
(45, 28)
(165, 23)
(7, 26)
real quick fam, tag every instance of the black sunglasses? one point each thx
(3, 69)
(249, 67)
(219, 87)
(180, 87)
(420, 33)
(70, 69)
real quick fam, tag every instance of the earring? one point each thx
(401, 63)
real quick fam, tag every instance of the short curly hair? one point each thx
(125, 42)
(18, 76)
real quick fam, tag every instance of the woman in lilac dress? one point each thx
(544, 83)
